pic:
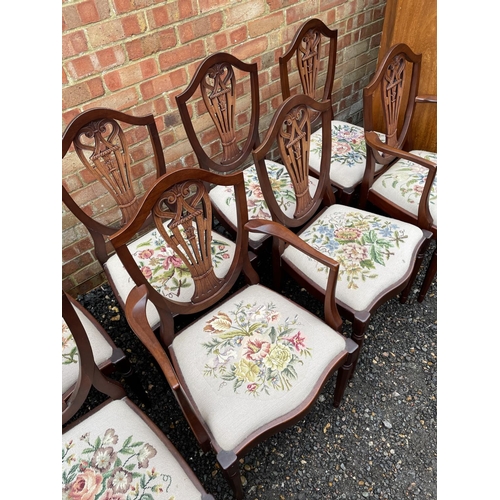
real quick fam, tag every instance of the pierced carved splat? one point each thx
(219, 94)
(308, 61)
(294, 145)
(109, 161)
(187, 206)
(392, 95)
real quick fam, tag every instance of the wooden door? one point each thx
(414, 22)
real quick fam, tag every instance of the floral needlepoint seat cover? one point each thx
(223, 196)
(404, 181)
(114, 455)
(348, 161)
(254, 359)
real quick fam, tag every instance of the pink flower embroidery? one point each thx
(146, 254)
(298, 341)
(173, 260)
(86, 485)
(256, 349)
(146, 271)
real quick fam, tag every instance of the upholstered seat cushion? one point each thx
(373, 252)
(114, 454)
(404, 181)
(164, 270)
(70, 361)
(223, 197)
(348, 159)
(254, 359)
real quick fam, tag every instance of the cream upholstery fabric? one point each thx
(348, 153)
(115, 451)
(165, 271)
(404, 181)
(100, 346)
(254, 359)
(223, 197)
(373, 252)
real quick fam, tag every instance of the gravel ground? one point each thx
(380, 443)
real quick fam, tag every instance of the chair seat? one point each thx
(223, 197)
(348, 159)
(164, 270)
(374, 253)
(403, 184)
(70, 360)
(115, 454)
(256, 359)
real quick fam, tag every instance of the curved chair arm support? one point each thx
(135, 312)
(276, 230)
(424, 215)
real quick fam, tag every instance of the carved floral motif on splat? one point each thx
(294, 146)
(308, 61)
(392, 94)
(188, 209)
(218, 90)
(109, 161)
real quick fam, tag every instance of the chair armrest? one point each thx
(135, 312)
(426, 98)
(279, 231)
(424, 216)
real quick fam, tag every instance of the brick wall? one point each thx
(137, 55)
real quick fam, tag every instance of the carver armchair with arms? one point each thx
(308, 67)
(378, 256)
(250, 362)
(115, 450)
(226, 90)
(406, 188)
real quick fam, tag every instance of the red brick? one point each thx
(163, 83)
(77, 263)
(329, 4)
(279, 4)
(107, 58)
(133, 25)
(73, 44)
(88, 12)
(197, 28)
(206, 5)
(80, 67)
(242, 12)
(266, 24)
(160, 16)
(151, 44)
(83, 92)
(123, 6)
(182, 55)
(65, 80)
(251, 48)
(118, 100)
(300, 12)
(105, 33)
(71, 17)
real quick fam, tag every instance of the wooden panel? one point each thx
(414, 22)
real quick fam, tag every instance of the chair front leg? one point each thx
(429, 276)
(228, 461)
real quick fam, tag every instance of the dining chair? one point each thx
(378, 256)
(406, 188)
(104, 187)
(108, 357)
(308, 66)
(249, 362)
(220, 112)
(115, 451)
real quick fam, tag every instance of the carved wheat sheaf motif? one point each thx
(109, 162)
(294, 144)
(188, 209)
(308, 61)
(392, 94)
(219, 94)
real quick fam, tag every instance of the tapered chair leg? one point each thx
(429, 276)
(345, 373)
(418, 263)
(229, 463)
(131, 378)
(359, 326)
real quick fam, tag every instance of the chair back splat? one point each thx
(235, 368)
(406, 185)
(97, 444)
